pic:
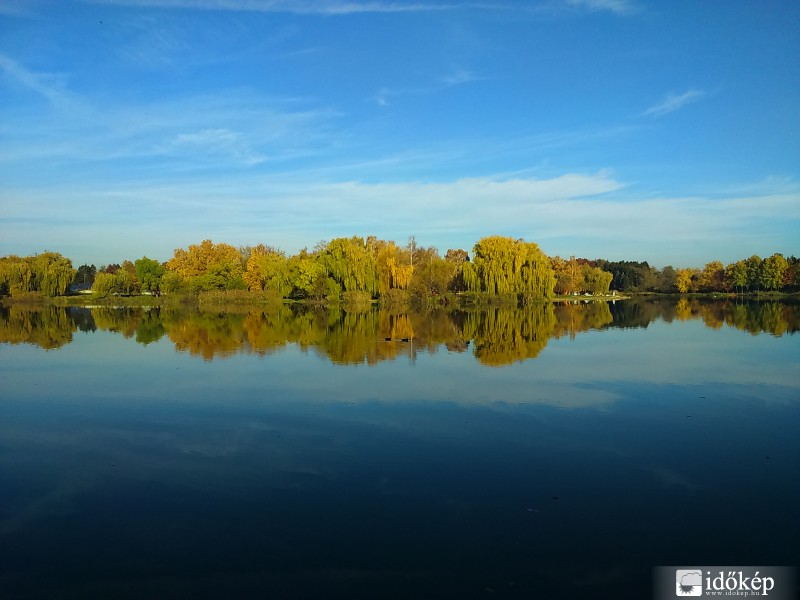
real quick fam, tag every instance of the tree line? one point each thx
(754, 274)
(363, 269)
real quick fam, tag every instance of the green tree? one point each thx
(150, 273)
(431, 279)
(304, 272)
(104, 284)
(268, 270)
(125, 283)
(595, 280)
(84, 276)
(772, 272)
(753, 266)
(736, 275)
(127, 280)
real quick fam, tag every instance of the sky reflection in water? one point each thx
(137, 470)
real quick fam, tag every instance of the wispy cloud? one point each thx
(459, 77)
(384, 96)
(303, 7)
(17, 8)
(673, 102)
(51, 86)
(227, 128)
(214, 143)
(618, 7)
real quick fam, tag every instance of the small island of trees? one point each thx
(361, 270)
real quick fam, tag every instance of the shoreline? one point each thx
(260, 300)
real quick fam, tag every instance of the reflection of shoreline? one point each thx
(496, 336)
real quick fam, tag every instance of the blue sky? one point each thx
(619, 129)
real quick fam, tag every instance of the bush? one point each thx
(357, 300)
(394, 298)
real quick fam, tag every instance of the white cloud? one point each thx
(586, 214)
(673, 102)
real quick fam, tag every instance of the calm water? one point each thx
(561, 452)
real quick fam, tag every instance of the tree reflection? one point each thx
(497, 336)
(573, 318)
(503, 336)
(48, 327)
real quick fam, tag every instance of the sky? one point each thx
(619, 129)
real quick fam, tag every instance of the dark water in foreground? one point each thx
(555, 453)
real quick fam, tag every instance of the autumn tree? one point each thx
(48, 273)
(104, 284)
(595, 280)
(684, 280)
(431, 278)
(712, 278)
(16, 275)
(753, 267)
(736, 275)
(772, 271)
(502, 265)
(306, 276)
(208, 266)
(393, 266)
(458, 258)
(268, 270)
(567, 274)
(349, 262)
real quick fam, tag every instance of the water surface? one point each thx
(557, 452)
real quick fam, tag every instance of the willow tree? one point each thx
(393, 266)
(48, 273)
(16, 275)
(351, 264)
(503, 265)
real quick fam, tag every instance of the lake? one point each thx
(563, 451)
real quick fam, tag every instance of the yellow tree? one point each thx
(351, 263)
(267, 269)
(208, 265)
(502, 265)
(683, 280)
(712, 278)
